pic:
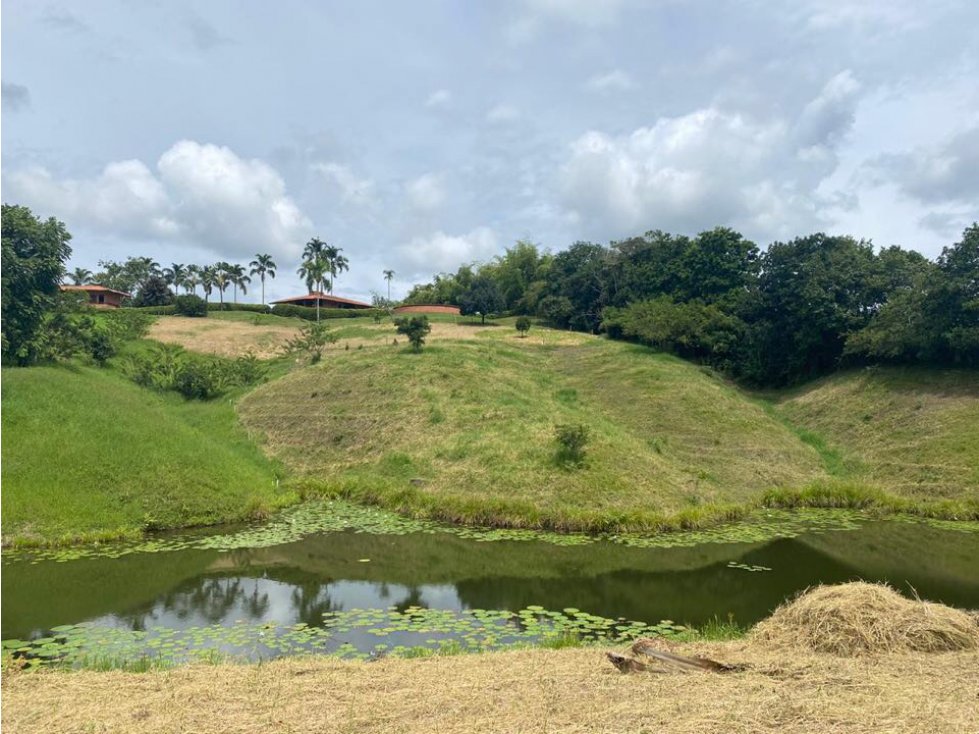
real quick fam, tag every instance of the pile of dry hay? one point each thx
(865, 619)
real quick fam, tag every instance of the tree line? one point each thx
(797, 310)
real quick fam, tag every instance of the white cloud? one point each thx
(201, 194)
(502, 113)
(425, 193)
(828, 117)
(947, 172)
(352, 189)
(439, 98)
(440, 252)
(614, 81)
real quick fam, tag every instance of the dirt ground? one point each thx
(573, 690)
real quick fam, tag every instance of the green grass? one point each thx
(88, 455)
(464, 431)
(899, 435)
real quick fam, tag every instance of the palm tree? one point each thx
(337, 266)
(81, 276)
(207, 276)
(239, 279)
(222, 279)
(261, 266)
(313, 271)
(388, 275)
(314, 248)
(174, 275)
(192, 279)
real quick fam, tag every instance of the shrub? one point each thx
(154, 292)
(196, 377)
(415, 328)
(311, 341)
(309, 314)
(523, 325)
(190, 305)
(251, 307)
(571, 439)
(155, 310)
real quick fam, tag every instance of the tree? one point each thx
(388, 275)
(207, 276)
(80, 276)
(222, 279)
(127, 276)
(338, 264)
(175, 275)
(312, 340)
(313, 271)
(192, 279)
(523, 325)
(154, 292)
(482, 298)
(263, 265)
(239, 279)
(33, 264)
(415, 328)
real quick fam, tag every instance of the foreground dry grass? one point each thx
(527, 691)
(225, 338)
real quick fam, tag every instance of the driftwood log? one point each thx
(656, 656)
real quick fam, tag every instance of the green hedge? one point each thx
(156, 310)
(252, 307)
(305, 312)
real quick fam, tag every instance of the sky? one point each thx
(421, 136)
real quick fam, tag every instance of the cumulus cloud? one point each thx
(945, 173)
(200, 194)
(613, 81)
(441, 252)
(439, 98)
(14, 97)
(351, 188)
(827, 118)
(425, 193)
(708, 167)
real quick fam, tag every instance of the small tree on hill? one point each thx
(415, 328)
(523, 325)
(482, 297)
(312, 340)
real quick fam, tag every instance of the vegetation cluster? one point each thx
(798, 310)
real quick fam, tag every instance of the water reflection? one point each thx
(302, 581)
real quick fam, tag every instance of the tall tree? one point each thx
(222, 279)
(80, 276)
(314, 271)
(208, 276)
(239, 279)
(262, 266)
(388, 275)
(482, 297)
(33, 264)
(174, 275)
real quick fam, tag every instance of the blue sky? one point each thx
(420, 136)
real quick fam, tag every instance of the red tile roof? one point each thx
(93, 289)
(324, 297)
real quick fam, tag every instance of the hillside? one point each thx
(913, 433)
(465, 431)
(86, 453)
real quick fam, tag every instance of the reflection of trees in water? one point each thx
(413, 599)
(311, 601)
(212, 598)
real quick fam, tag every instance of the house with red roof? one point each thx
(326, 300)
(98, 295)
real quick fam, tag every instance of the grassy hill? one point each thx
(912, 433)
(88, 454)
(465, 431)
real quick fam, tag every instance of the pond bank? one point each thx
(573, 690)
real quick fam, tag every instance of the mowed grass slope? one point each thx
(912, 433)
(88, 454)
(464, 431)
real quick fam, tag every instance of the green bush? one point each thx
(311, 341)
(415, 328)
(251, 307)
(155, 310)
(194, 376)
(305, 312)
(571, 439)
(523, 325)
(190, 305)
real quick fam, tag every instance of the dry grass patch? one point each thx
(526, 691)
(867, 619)
(224, 338)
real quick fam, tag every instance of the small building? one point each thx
(428, 308)
(325, 300)
(98, 295)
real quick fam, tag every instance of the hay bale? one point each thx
(865, 619)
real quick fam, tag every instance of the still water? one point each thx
(330, 572)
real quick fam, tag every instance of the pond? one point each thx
(373, 583)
